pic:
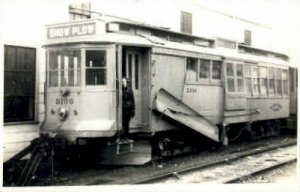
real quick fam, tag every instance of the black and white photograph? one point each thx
(149, 95)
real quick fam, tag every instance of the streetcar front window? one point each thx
(95, 67)
(64, 68)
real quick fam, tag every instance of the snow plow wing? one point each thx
(172, 107)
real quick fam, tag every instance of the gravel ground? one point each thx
(126, 174)
(283, 175)
(232, 169)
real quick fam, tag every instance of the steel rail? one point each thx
(260, 171)
(172, 173)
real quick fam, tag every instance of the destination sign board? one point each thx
(71, 30)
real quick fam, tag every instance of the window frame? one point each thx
(204, 81)
(249, 77)
(280, 82)
(209, 72)
(261, 82)
(35, 95)
(240, 77)
(248, 37)
(85, 67)
(212, 80)
(288, 80)
(186, 22)
(197, 72)
(57, 49)
(231, 77)
(235, 77)
(269, 79)
(258, 94)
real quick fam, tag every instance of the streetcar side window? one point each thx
(271, 81)
(235, 77)
(285, 81)
(292, 78)
(230, 77)
(204, 69)
(263, 81)
(216, 70)
(191, 69)
(255, 81)
(248, 80)
(278, 82)
(96, 67)
(240, 77)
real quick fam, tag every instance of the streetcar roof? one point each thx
(225, 53)
(106, 34)
(143, 41)
(108, 38)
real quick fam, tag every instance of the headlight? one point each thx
(63, 113)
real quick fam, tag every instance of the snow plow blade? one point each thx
(175, 109)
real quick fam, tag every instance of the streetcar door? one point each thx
(132, 70)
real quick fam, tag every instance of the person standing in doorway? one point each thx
(128, 106)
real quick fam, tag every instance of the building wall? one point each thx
(17, 135)
(27, 29)
(207, 22)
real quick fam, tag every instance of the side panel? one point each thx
(207, 100)
(175, 109)
(204, 96)
(167, 73)
(259, 109)
(269, 108)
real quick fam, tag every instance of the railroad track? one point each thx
(217, 171)
(260, 171)
(160, 170)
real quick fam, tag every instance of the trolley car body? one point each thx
(86, 61)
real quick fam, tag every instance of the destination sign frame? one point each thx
(74, 30)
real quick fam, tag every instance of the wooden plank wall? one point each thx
(18, 136)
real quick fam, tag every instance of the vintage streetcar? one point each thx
(186, 89)
(182, 84)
